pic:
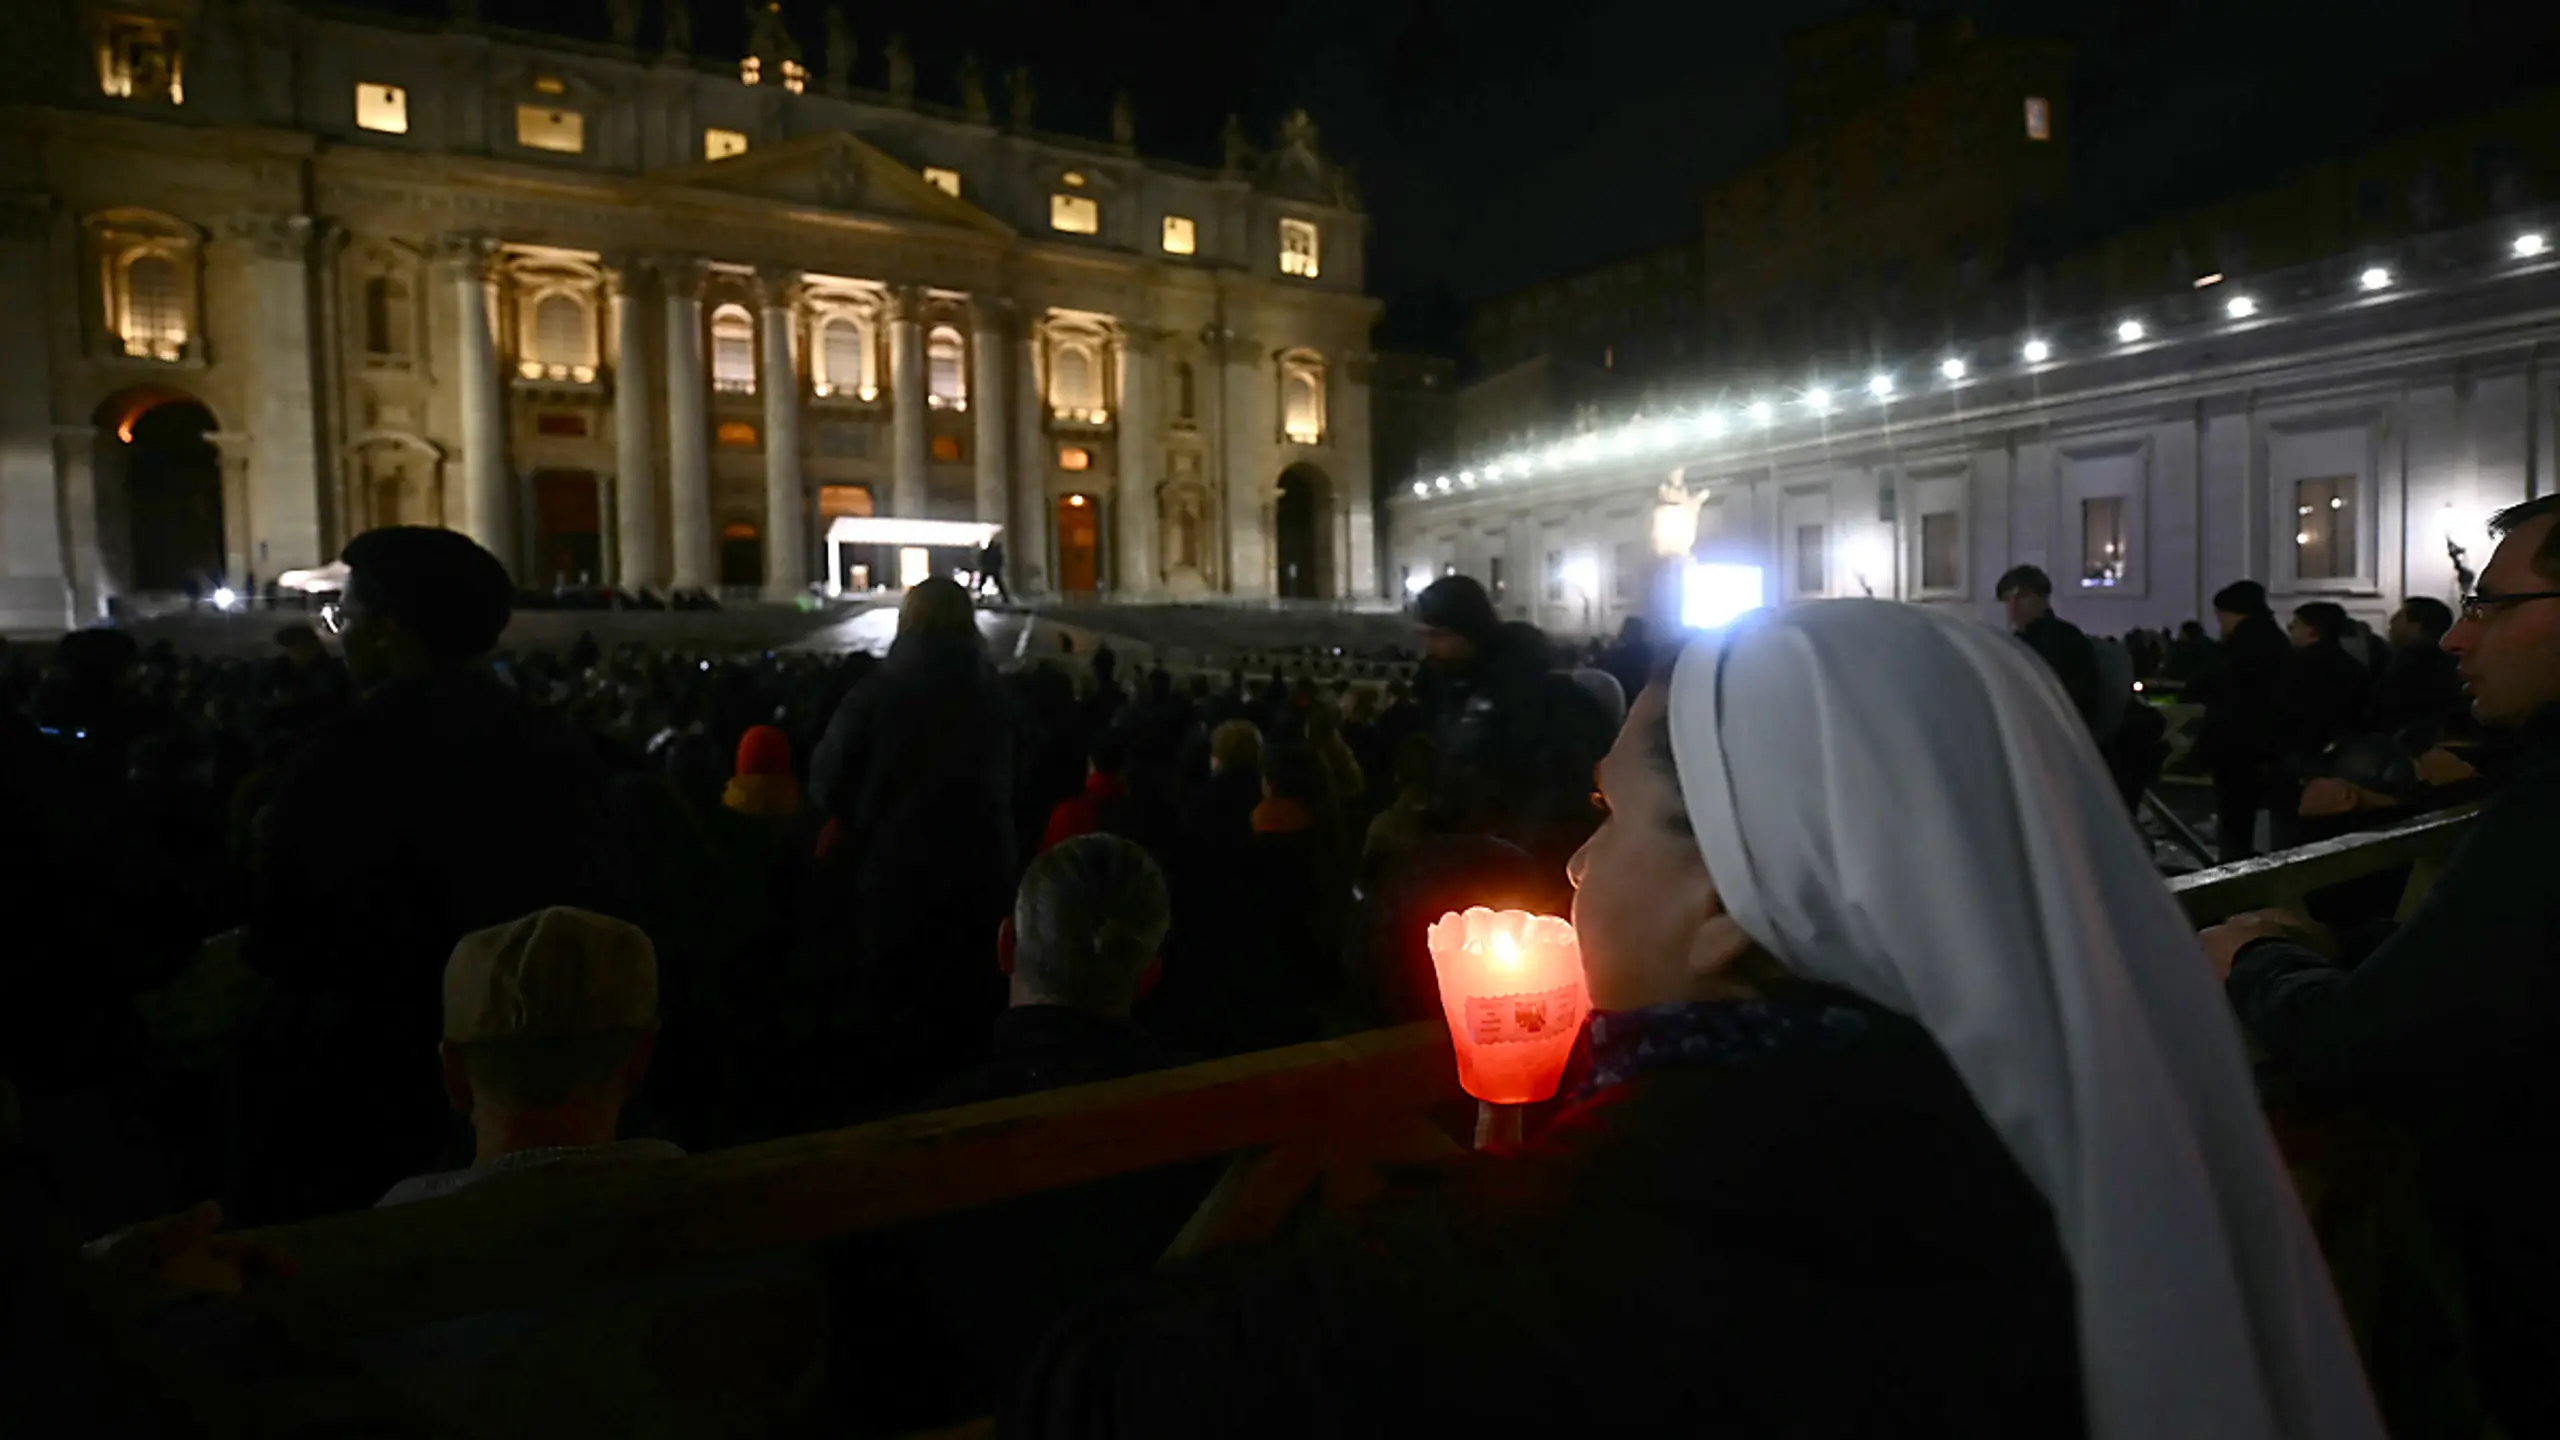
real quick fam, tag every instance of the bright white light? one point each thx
(1441, 484)
(2337, 502)
(1466, 477)
(2213, 279)
(2530, 244)
(1761, 413)
(1710, 425)
(2302, 537)
(1870, 560)
(1415, 581)
(1818, 400)
(2035, 351)
(1421, 487)
(2375, 278)
(224, 597)
(1582, 576)
(2129, 331)
(1952, 368)
(915, 566)
(2241, 307)
(1712, 596)
(1879, 385)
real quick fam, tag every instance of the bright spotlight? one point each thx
(1714, 595)
(2375, 278)
(2035, 352)
(2530, 244)
(1761, 413)
(2129, 331)
(1952, 368)
(224, 597)
(1818, 400)
(1879, 385)
(1421, 487)
(2241, 307)
(1582, 575)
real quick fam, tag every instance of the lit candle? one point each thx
(1511, 985)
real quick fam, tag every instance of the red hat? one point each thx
(763, 750)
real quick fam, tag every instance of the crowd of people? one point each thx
(1907, 1104)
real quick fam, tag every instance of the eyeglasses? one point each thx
(2480, 607)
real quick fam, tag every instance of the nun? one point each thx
(1911, 1109)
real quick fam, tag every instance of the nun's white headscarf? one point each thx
(1905, 805)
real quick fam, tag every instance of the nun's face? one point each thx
(1652, 928)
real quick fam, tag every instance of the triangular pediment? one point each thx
(834, 171)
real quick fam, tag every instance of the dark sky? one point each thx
(1501, 141)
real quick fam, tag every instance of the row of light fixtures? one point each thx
(1819, 400)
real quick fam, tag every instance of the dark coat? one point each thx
(1517, 746)
(2451, 1025)
(1049, 1047)
(2066, 651)
(441, 805)
(2242, 689)
(2325, 689)
(2420, 685)
(1817, 1244)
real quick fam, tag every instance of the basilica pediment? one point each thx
(834, 171)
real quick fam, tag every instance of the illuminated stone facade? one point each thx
(496, 282)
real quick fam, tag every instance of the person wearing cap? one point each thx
(441, 804)
(549, 1024)
(2242, 689)
(1517, 740)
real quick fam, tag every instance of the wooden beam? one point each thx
(524, 1239)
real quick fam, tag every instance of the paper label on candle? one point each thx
(1517, 1019)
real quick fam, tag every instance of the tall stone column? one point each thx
(285, 510)
(907, 403)
(688, 427)
(988, 323)
(1141, 453)
(786, 501)
(1246, 430)
(488, 515)
(635, 469)
(1027, 539)
(36, 573)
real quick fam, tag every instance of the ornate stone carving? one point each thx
(768, 38)
(841, 52)
(903, 302)
(467, 252)
(779, 287)
(681, 275)
(272, 237)
(973, 91)
(902, 72)
(840, 181)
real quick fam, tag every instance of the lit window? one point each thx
(1074, 214)
(1302, 400)
(2039, 118)
(1073, 179)
(1181, 236)
(946, 366)
(1298, 248)
(1075, 383)
(1813, 561)
(550, 85)
(945, 448)
(750, 71)
(2324, 534)
(2102, 548)
(153, 324)
(1074, 457)
(563, 343)
(382, 107)
(736, 434)
(139, 60)
(564, 131)
(946, 181)
(1941, 565)
(733, 350)
(844, 359)
(721, 144)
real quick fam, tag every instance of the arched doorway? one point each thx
(1301, 556)
(1079, 545)
(171, 490)
(568, 528)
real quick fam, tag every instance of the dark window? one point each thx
(2324, 532)
(1941, 556)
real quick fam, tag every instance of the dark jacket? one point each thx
(2066, 651)
(2420, 685)
(1050, 1047)
(2325, 690)
(2242, 689)
(1814, 1244)
(2451, 1025)
(1517, 745)
(441, 805)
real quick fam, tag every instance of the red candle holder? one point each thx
(1511, 985)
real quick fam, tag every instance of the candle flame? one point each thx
(1506, 950)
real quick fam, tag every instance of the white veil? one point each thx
(1905, 805)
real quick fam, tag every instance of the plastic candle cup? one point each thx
(1511, 985)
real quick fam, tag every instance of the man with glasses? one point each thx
(2452, 1024)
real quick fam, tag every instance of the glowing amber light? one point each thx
(1511, 984)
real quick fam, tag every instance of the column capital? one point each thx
(622, 273)
(468, 253)
(991, 314)
(905, 302)
(681, 275)
(272, 237)
(779, 287)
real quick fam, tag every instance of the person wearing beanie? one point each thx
(443, 802)
(2242, 689)
(764, 785)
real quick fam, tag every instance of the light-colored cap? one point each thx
(554, 972)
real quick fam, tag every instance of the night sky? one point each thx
(1498, 142)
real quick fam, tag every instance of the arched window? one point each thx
(154, 322)
(1302, 400)
(386, 316)
(844, 359)
(733, 350)
(946, 367)
(1075, 383)
(1185, 392)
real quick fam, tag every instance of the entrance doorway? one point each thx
(1299, 534)
(173, 492)
(1079, 545)
(568, 528)
(741, 556)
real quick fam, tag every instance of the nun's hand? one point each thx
(2223, 943)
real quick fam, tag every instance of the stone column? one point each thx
(1026, 542)
(1246, 430)
(233, 450)
(688, 428)
(786, 501)
(635, 470)
(988, 317)
(285, 513)
(1141, 454)
(907, 493)
(487, 514)
(35, 572)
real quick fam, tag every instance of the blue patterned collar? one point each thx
(1627, 1043)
